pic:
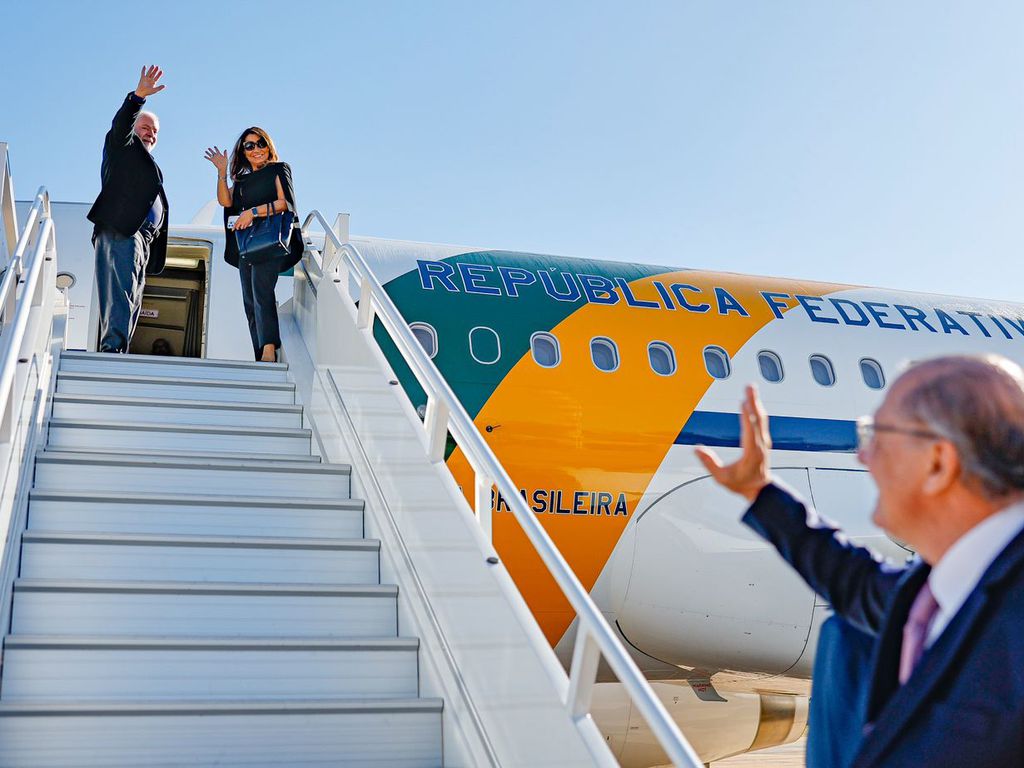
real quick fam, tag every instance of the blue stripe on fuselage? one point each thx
(789, 433)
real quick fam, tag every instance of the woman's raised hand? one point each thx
(218, 158)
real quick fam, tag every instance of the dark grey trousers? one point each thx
(120, 280)
(258, 282)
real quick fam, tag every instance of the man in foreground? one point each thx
(130, 215)
(946, 450)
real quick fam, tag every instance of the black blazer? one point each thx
(258, 188)
(132, 181)
(964, 704)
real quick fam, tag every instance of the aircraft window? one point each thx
(716, 360)
(545, 350)
(484, 345)
(426, 336)
(663, 359)
(871, 370)
(822, 370)
(771, 366)
(604, 353)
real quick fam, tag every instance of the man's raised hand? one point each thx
(148, 79)
(752, 471)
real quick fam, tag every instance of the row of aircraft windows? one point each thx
(485, 347)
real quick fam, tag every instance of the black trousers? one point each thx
(258, 282)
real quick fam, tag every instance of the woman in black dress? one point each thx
(261, 186)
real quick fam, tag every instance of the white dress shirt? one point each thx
(956, 575)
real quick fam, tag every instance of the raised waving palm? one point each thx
(218, 157)
(148, 79)
(752, 471)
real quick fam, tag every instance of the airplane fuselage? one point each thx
(593, 380)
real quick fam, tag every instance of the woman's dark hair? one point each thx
(239, 163)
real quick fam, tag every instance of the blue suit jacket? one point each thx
(842, 668)
(964, 704)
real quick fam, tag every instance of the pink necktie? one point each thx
(916, 630)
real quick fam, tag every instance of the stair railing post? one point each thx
(330, 253)
(8, 212)
(482, 503)
(7, 420)
(340, 227)
(435, 421)
(586, 656)
(9, 302)
(340, 230)
(342, 271)
(364, 319)
(39, 289)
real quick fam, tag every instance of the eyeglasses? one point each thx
(867, 427)
(249, 146)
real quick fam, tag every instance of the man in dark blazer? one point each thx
(130, 215)
(946, 449)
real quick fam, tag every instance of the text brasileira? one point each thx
(555, 501)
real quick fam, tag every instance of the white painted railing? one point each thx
(28, 297)
(8, 216)
(444, 413)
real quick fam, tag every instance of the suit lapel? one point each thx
(892, 705)
(150, 159)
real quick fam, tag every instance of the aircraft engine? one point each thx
(740, 722)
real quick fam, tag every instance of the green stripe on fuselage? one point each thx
(453, 314)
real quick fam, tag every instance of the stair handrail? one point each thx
(445, 413)
(16, 306)
(28, 306)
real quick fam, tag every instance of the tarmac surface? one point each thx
(788, 756)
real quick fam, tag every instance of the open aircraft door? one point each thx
(175, 304)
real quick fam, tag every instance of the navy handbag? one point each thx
(267, 239)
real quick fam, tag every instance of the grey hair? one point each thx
(977, 403)
(146, 112)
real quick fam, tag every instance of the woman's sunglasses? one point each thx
(249, 146)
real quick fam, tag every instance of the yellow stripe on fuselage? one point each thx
(575, 427)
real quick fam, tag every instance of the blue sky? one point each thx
(873, 143)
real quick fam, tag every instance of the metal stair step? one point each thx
(172, 367)
(393, 733)
(71, 471)
(204, 455)
(38, 668)
(167, 557)
(206, 412)
(71, 434)
(76, 607)
(130, 512)
(163, 388)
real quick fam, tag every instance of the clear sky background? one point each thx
(870, 142)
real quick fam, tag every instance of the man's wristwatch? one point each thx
(253, 212)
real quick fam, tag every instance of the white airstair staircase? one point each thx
(196, 581)
(187, 579)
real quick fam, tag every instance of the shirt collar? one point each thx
(956, 575)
